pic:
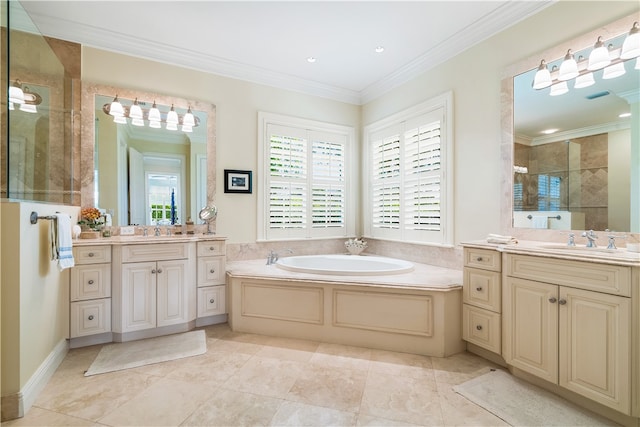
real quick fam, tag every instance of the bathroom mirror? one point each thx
(578, 177)
(144, 175)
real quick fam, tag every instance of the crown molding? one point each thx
(505, 16)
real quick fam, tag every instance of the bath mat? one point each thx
(522, 404)
(132, 354)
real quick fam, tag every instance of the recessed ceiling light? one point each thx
(549, 131)
(311, 59)
(623, 115)
(379, 49)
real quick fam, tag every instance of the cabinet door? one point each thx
(173, 292)
(138, 296)
(530, 325)
(595, 338)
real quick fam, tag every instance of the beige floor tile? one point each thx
(288, 349)
(404, 399)
(165, 403)
(403, 364)
(233, 408)
(300, 414)
(371, 421)
(460, 367)
(342, 356)
(459, 411)
(44, 417)
(214, 366)
(336, 388)
(265, 376)
(95, 396)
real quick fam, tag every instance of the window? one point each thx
(409, 197)
(548, 193)
(305, 186)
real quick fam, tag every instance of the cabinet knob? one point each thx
(479, 258)
(212, 300)
(91, 317)
(90, 255)
(552, 300)
(479, 288)
(153, 271)
(479, 327)
(212, 271)
(211, 248)
(159, 270)
(562, 301)
(90, 282)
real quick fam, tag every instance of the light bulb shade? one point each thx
(568, 68)
(187, 128)
(559, 88)
(613, 71)
(137, 122)
(188, 119)
(11, 106)
(172, 117)
(135, 112)
(121, 120)
(28, 108)
(584, 80)
(154, 124)
(631, 45)
(115, 109)
(599, 56)
(16, 95)
(171, 126)
(154, 114)
(542, 78)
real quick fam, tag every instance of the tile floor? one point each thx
(246, 379)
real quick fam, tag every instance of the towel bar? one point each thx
(34, 217)
(558, 217)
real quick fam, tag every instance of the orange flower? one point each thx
(90, 215)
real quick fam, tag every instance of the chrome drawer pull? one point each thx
(479, 327)
(211, 248)
(159, 270)
(479, 288)
(153, 271)
(552, 300)
(91, 317)
(90, 255)
(479, 258)
(91, 282)
(212, 271)
(212, 300)
(562, 301)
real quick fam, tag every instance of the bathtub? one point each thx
(346, 265)
(415, 309)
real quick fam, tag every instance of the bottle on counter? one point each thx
(190, 226)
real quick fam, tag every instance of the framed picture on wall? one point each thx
(237, 181)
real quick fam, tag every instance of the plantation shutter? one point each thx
(386, 179)
(328, 183)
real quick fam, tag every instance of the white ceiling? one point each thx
(268, 42)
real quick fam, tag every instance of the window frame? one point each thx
(445, 237)
(266, 119)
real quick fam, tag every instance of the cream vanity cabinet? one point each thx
(156, 293)
(90, 296)
(211, 295)
(570, 323)
(481, 296)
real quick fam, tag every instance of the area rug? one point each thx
(522, 404)
(132, 354)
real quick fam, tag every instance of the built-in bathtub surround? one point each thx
(418, 312)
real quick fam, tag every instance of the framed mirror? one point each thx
(142, 174)
(568, 156)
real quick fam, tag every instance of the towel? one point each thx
(501, 240)
(61, 241)
(539, 221)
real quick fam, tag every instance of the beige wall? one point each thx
(35, 294)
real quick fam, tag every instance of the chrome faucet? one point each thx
(156, 230)
(272, 257)
(591, 238)
(145, 232)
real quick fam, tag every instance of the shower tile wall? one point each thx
(581, 164)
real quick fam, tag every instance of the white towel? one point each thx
(61, 241)
(538, 221)
(501, 240)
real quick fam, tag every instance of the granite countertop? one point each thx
(423, 276)
(601, 255)
(130, 240)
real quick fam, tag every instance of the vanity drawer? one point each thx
(611, 279)
(211, 271)
(481, 327)
(157, 252)
(91, 254)
(485, 259)
(211, 301)
(210, 248)
(90, 282)
(90, 317)
(482, 289)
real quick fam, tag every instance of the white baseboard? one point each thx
(29, 393)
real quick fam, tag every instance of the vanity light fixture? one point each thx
(138, 115)
(624, 115)
(22, 96)
(154, 116)
(608, 57)
(16, 95)
(311, 59)
(379, 49)
(135, 114)
(172, 119)
(115, 109)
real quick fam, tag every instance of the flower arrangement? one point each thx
(89, 217)
(355, 246)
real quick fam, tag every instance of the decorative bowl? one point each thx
(355, 246)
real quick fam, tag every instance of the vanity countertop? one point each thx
(147, 240)
(602, 255)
